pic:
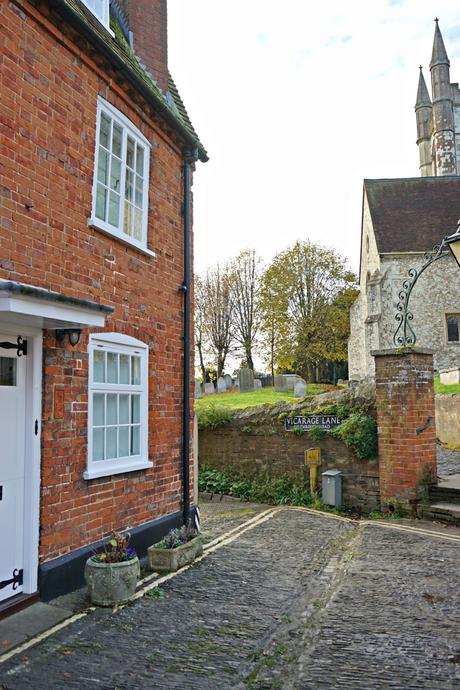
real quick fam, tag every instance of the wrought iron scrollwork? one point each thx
(20, 346)
(404, 335)
(16, 580)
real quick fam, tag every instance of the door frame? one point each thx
(32, 450)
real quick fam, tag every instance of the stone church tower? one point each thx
(438, 119)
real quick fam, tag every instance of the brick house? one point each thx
(96, 161)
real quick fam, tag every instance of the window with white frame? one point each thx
(117, 405)
(100, 9)
(121, 178)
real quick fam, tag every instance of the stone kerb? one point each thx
(406, 423)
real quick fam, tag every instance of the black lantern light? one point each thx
(73, 335)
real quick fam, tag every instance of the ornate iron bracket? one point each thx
(16, 580)
(20, 346)
(420, 429)
(404, 316)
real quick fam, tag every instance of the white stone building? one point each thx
(404, 218)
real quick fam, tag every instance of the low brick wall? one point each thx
(448, 419)
(257, 443)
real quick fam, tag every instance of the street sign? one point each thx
(313, 457)
(319, 421)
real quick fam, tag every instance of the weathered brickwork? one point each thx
(256, 447)
(50, 79)
(406, 424)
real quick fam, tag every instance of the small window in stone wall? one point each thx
(453, 328)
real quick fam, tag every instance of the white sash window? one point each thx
(117, 405)
(121, 177)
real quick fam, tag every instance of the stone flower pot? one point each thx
(170, 560)
(111, 583)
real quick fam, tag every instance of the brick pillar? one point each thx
(405, 400)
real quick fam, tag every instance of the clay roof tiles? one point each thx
(413, 214)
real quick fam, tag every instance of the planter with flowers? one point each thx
(112, 575)
(178, 548)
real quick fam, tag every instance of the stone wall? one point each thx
(372, 317)
(256, 443)
(448, 419)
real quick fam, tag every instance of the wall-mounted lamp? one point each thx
(73, 335)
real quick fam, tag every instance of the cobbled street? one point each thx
(294, 600)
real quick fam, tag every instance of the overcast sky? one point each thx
(296, 104)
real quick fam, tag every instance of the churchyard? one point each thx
(233, 399)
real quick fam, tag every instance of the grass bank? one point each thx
(234, 400)
(442, 388)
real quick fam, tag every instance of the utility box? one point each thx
(332, 488)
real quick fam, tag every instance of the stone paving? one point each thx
(448, 461)
(299, 602)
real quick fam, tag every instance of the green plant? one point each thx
(116, 550)
(261, 488)
(316, 433)
(246, 429)
(177, 537)
(298, 430)
(213, 416)
(358, 432)
(154, 593)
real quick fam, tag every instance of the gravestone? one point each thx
(449, 376)
(221, 387)
(300, 389)
(198, 392)
(280, 383)
(291, 380)
(228, 381)
(209, 389)
(257, 384)
(246, 380)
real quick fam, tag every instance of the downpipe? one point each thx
(190, 158)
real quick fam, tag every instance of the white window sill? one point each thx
(97, 225)
(115, 468)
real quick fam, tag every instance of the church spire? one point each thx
(423, 97)
(439, 55)
(423, 113)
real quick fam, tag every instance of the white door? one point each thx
(12, 449)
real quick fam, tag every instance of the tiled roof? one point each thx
(170, 106)
(413, 214)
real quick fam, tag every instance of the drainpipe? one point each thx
(190, 158)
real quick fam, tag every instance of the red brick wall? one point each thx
(148, 22)
(405, 399)
(264, 447)
(49, 86)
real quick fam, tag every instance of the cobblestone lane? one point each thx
(298, 602)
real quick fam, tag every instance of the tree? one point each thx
(301, 291)
(218, 307)
(200, 324)
(245, 273)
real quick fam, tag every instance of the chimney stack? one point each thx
(148, 21)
